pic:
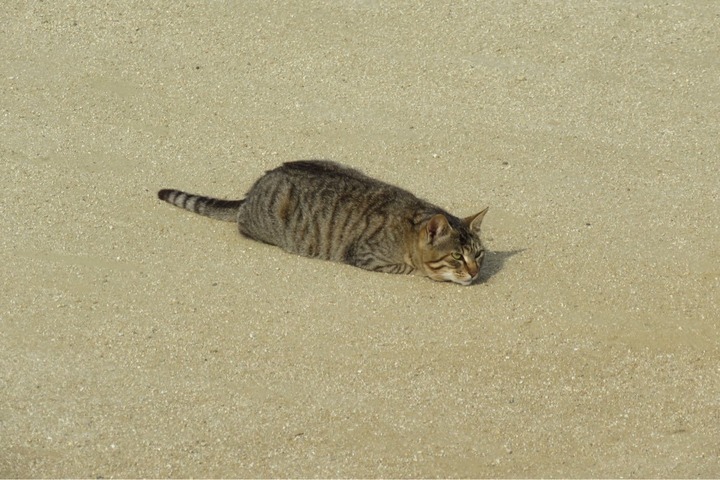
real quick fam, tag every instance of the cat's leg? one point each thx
(369, 258)
(402, 268)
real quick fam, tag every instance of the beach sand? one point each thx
(138, 340)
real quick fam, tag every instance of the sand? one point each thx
(140, 340)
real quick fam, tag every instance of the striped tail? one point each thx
(210, 207)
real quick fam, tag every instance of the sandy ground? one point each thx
(140, 340)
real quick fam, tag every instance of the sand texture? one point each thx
(140, 340)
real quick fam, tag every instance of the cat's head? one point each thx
(450, 250)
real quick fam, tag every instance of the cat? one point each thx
(322, 209)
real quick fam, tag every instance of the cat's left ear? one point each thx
(437, 227)
(473, 221)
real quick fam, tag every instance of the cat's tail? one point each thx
(226, 210)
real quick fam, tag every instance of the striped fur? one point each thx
(325, 210)
(226, 210)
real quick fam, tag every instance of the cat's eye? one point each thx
(457, 256)
(480, 254)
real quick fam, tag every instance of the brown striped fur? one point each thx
(322, 209)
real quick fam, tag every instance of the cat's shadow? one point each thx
(494, 262)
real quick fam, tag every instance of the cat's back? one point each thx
(324, 181)
(318, 168)
(324, 171)
(321, 208)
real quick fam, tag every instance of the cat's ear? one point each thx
(436, 227)
(473, 221)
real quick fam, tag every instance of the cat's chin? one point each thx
(452, 278)
(467, 281)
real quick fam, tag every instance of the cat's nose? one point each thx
(473, 269)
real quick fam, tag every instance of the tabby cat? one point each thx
(322, 209)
